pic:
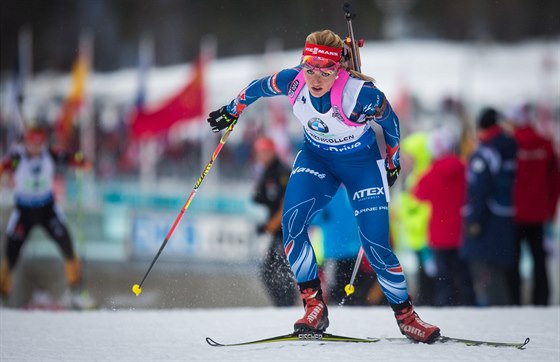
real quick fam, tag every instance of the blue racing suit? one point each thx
(336, 152)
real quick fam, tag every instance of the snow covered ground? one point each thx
(179, 335)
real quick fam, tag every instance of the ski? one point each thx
(318, 337)
(327, 337)
(468, 342)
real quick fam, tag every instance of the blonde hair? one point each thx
(331, 39)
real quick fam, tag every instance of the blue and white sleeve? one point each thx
(375, 106)
(270, 86)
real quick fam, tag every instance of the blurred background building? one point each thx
(99, 73)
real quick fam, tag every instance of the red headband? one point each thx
(323, 51)
(35, 136)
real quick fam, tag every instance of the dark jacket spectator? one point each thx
(275, 271)
(489, 227)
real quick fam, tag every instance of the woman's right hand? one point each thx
(220, 119)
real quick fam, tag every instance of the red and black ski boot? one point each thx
(412, 326)
(316, 317)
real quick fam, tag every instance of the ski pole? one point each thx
(349, 288)
(349, 15)
(137, 288)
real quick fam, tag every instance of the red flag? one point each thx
(185, 106)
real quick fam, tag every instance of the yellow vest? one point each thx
(413, 215)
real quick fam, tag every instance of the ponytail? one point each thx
(360, 75)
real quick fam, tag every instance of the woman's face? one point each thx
(34, 142)
(33, 148)
(318, 82)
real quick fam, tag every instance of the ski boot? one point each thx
(81, 300)
(412, 326)
(5, 283)
(316, 317)
(4, 300)
(5, 278)
(42, 300)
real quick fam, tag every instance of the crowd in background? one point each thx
(470, 202)
(441, 161)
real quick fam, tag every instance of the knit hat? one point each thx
(264, 144)
(521, 115)
(442, 141)
(488, 118)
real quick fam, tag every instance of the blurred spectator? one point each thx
(443, 186)
(536, 190)
(489, 227)
(340, 247)
(33, 167)
(455, 119)
(276, 273)
(413, 215)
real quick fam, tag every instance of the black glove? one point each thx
(220, 119)
(392, 175)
